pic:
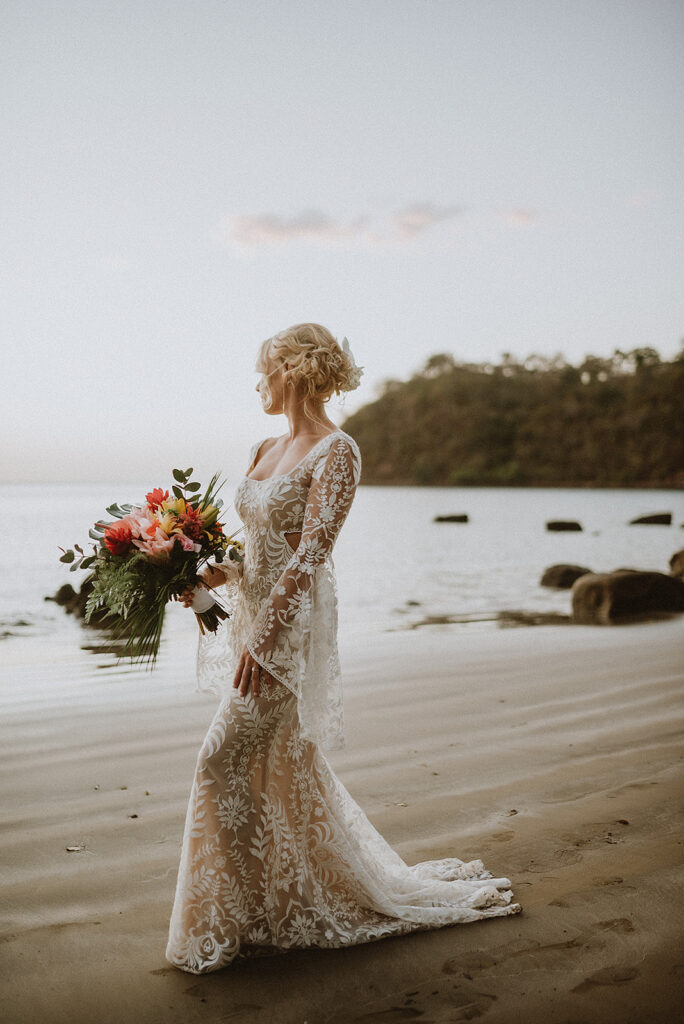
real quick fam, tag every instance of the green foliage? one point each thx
(135, 591)
(609, 422)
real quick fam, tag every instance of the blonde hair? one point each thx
(318, 367)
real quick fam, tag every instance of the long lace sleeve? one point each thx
(294, 635)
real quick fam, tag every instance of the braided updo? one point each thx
(318, 367)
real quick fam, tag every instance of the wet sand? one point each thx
(552, 753)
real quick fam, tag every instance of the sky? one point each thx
(183, 179)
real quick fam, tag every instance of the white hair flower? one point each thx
(355, 372)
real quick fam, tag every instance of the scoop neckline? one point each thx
(279, 476)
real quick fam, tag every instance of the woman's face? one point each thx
(271, 382)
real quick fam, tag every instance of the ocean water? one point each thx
(395, 565)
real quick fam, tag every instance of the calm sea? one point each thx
(395, 565)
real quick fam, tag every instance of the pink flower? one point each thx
(157, 546)
(141, 522)
(186, 543)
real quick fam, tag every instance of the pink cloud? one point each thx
(403, 225)
(418, 217)
(519, 218)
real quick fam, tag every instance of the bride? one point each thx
(276, 853)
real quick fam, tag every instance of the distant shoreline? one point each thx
(679, 488)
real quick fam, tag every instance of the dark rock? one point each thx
(457, 517)
(562, 576)
(74, 602)
(656, 519)
(558, 525)
(677, 564)
(605, 598)
(65, 595)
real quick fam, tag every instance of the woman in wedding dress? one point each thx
(276, 853)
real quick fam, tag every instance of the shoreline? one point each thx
(525, 749)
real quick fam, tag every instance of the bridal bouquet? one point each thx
(148, 555)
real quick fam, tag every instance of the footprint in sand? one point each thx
(395, 1015)
(615, 880)
(472, 961)
(616, 924)
(460, 1002)
(607, 976)
(502, 837)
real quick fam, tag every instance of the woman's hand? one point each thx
(208, 577)
(249, 671)
(187, 596)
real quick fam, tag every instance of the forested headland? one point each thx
(609, 422)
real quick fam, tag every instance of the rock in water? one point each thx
(558, 525)
(74, 602)
(64, 596)
(677, 564)
(656, 519)
(612, 597)
(562, 576)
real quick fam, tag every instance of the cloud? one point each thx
(415, 219)
(519, 218)
(268, 229)
(644, 197)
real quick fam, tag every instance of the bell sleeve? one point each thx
(293, 637)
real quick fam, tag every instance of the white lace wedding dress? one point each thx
(276, 853)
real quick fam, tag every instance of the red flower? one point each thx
(191, 523)
(155, 497)
(118, 538)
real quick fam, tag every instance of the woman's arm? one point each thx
(275, 641)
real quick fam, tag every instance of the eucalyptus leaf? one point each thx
(75, 566)
(68, 556)
(87, 562)
(188, 473)
(194, 487)
(177, 491)
(179, 475)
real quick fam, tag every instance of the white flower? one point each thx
(355, 372)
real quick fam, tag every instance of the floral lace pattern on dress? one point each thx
(278, 855)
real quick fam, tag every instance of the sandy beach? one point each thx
(552, 753)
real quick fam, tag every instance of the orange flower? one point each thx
(155, 497)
